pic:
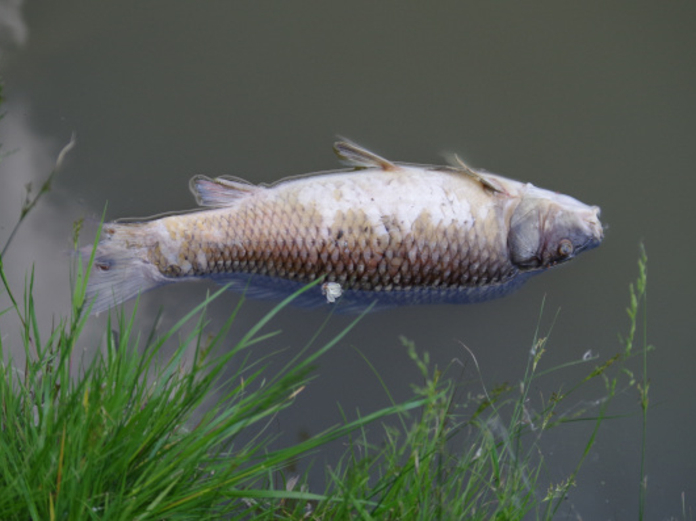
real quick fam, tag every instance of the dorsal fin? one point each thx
(221, 191)
(487, 182)
(360, 157)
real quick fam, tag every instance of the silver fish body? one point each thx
(389, 232)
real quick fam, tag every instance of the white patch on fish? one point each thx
(395, 188)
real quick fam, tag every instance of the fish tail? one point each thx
(121, 269)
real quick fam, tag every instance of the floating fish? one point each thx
(394, 233)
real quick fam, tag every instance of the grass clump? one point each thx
(118, 439)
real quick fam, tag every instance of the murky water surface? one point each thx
(593, 101)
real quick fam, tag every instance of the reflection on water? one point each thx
(13, 30)
(42, 240)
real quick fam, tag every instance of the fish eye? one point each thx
(565, 248)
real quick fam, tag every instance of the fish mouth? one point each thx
(594, 238)
(590, 244)
(595, 230)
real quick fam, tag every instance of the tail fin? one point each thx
(121, 268)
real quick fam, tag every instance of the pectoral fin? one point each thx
(221, 191)
(360, 157)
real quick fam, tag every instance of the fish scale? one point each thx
(349, 251)
(391, 232)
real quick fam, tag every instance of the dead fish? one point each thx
(395, 233)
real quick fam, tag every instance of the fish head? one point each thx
(548, 228)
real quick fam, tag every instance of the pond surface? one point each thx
(594, 101)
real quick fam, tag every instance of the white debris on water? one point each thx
(332, 290)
